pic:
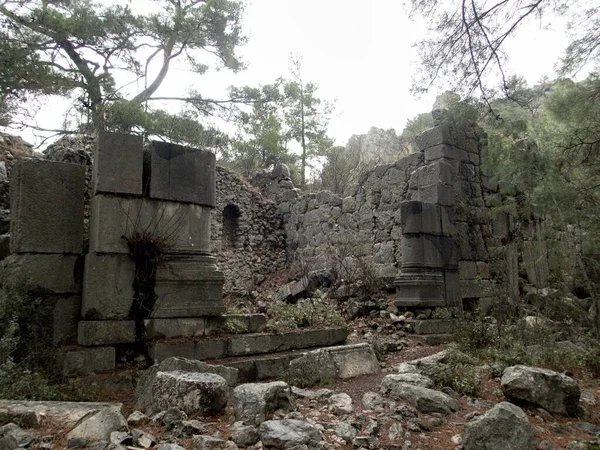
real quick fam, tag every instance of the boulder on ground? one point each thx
(424, 399)
(289, 433)
(253, 403)
(553, 391)
(144, 394)
(504, 427)
(211, 443)
(340, 404)
(193, 393)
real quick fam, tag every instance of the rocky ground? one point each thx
(399, 408)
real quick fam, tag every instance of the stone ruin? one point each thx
(424, 225)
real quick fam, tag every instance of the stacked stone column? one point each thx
(429, 271)
(46, 241)
(166, 194)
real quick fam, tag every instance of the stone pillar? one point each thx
(46, 204)
(163, 194)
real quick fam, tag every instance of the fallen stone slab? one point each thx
(30, 414)
(553, 391)
(504, 427)
(425, 400)
(144, 392)
(193, 393)
(100, 425)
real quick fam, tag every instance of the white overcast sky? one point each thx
(359, 53)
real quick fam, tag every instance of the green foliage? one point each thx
(341, 167)
(74, 48)
(461, 372)
(26, 359)
(310, 313)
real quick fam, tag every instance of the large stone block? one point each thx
(453, 288)
(43, 273)
(88, 360)
(46, 204)
(65, 316)
(118, 164)
(106, 332)
(171, 328)
(185, 228)
(419, 217)
(108, 287)
(188, 287)
(420, 290)
(438, 193)
(196, 350)
(182, 174)
(428, 251)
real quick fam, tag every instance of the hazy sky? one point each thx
(359, 52)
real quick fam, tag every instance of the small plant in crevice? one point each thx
(148, 252)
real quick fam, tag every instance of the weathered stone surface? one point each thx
(429, 252)
(13, 437)
(553, 391)
(420, 217)
(433, 326)
(89, 360)
(253, 403)
(211, 443)
(417, 379)
(420, 290)
(535, 260)
(106, 332)
(46, 207)
(200, 350)
(250, 323)
(144, 392)
(43, 273)
(312, 368)
(340, 404)
(118, 164)
(504, 427)
(182, 174)
(107, 287)
(193, 393)
(289, 433)
(185, 228)
(99, 426)
(178, 327)
(425, 400)
(244, 434)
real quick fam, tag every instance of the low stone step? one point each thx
(350, 360)
(433, 326)
(432, 339)
(207, 348)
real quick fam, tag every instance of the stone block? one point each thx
(433, 326)
(478, 288)
(46, 204)
(500, 225)
(185, 228)
(434, 136)
(182, 174)
(253, 344)
(448, 152)
(354, 360)
(419, 217)
(452, 286)
(118, 164)
(93, 333)
(437, 193)
(172, 328)
(43, 273)
(188, 286)
(272, 367)
(65, 317)
(448, 216)
(427, 251)
(249, 323)
(88, 360)
(420, 290)
(435, 172)
(467, 270)
(200, 350)
(108, 287)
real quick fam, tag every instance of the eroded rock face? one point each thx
(253, 403)
(553, 391)
(425, 400)
(289, 433)
(504, 427)
(193, 393)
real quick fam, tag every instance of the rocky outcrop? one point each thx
(553, 391)
(504, 427)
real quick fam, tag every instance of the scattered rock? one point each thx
(137, 418)
(395, 431)
(373, 401)
(424, 399)
(410, 378)
(287, 433)
(253, 403)
(504, 427)
(99, 426)
(12, 436)
(211, 443)
(553, 391)
(345, 431)
(340, 404)
(244, 435)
